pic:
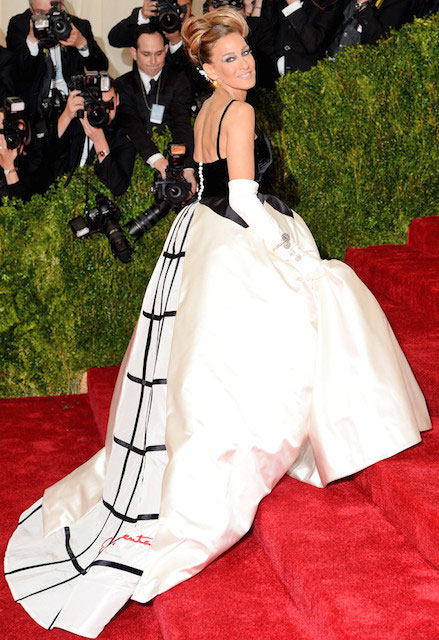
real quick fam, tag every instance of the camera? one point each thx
(92, 85)
(50, 28)
(168, 194)
(169, 15)
(104, 218)
(15, 124)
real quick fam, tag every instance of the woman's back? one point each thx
(208, 128)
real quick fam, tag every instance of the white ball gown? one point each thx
(249, 360)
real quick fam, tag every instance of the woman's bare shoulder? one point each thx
(241, 114)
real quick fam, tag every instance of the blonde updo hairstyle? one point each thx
(200, 33)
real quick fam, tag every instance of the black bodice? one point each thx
(214, 176)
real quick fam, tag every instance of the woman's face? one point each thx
(232, 63)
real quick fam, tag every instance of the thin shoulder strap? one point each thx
(219, 129)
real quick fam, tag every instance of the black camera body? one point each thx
(50, 28)
(92, 85)
(15, 124)
(104, 218)
(169, 15)
(169, 194)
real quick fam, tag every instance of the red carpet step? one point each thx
(406, 489)
(345, 566)
(424, 235)
(418, 336)
(408, 277)
(44, 439)
(238, 597)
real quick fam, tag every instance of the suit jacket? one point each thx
(123, 35)
(423, 8)
(7, 73)
(37, 71)
(375, 22)
(114, 171)
(303, 36)
(175, 95)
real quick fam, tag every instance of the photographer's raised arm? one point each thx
(123, 33)
(94, 57)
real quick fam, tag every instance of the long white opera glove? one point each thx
(244, 201)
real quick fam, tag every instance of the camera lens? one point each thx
(97, 116)
(138, 226)
(169, 22)
(119, 245)
(61, 28)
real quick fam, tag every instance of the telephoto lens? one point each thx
(143, 223)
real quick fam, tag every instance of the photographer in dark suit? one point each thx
(304, 30)
(7, 72)
(423, 8)
(21, 170)
(123, 34)
(44, 69)
(156, 94)
(366, 21)
(107, 148)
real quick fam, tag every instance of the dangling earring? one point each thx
(201, 71)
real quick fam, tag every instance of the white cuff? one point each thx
(33, 47)
(141, 19)
(291, 8)
(152, 159)
(175, 47)
(281, 65)
(84, 52)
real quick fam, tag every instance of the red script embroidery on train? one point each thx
(146, 540)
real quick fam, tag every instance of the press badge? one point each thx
(157, 111)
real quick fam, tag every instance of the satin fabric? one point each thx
(274, 364)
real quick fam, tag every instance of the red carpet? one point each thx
(356, 561)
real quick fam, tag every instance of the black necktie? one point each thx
(152, 86)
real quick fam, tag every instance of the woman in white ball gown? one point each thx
(252, 358)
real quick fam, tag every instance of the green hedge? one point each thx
(357, 140)
(67, 304)
(356, 151)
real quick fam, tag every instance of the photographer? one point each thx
(18, 175)
(124, 35)
(156, 95)
(105, 146)
(7, 72)
(366, 21)
(47, 63)
(304, 30)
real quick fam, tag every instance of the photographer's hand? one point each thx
(189, 175)
(149, 9)
(75, 39)
(97, 136)
(7, 159)
(252, 8)
(75, 102)
(31, 36)
(161, 165)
